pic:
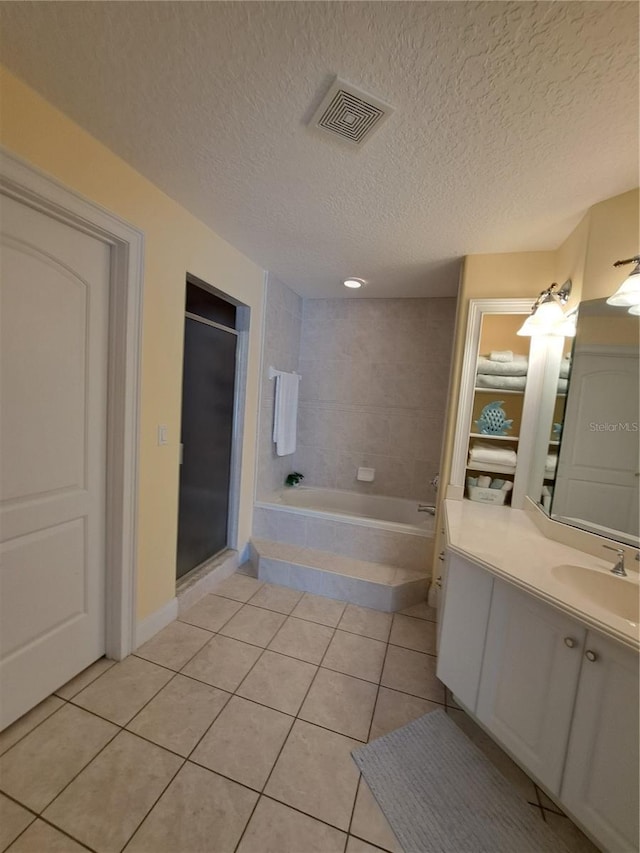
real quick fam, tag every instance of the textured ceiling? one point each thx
(510, 120)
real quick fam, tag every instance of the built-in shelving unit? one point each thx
(494, 437)
(497, 332)
(492, 468)
(498, 391)
(492, 325)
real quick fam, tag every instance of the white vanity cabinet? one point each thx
(463, 626)
(562, 699)
(529, 679)
(600, 783)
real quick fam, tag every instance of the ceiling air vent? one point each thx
(349, 113)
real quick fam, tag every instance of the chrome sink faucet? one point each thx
(427, 508)
(618, 569)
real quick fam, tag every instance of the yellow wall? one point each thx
(175, 242)
(614, 234)
(571, 257)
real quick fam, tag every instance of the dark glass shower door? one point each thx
(207, 424)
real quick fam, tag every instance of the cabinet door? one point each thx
(600, 783)
(441, 578)
(464, 626)
(529, 679)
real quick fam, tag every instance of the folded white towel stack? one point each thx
(285, 416)
(518, 366)
(487, 454)
(501, 355)
(505, 383)
(551, 463)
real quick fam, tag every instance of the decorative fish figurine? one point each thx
(493, 419)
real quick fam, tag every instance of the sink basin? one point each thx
(616, 594)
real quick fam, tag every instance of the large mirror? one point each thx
(596, 482)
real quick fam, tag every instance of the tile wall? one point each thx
(375, 374)
(343, 537)
(283, 323)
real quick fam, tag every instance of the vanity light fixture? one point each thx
(353, 282)
(628, 294)
(547, 316)
(568, 327)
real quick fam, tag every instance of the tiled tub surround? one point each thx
(283, 323)
(374, 384)
(350, 532)
(231, 730)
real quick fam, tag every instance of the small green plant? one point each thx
(293, 479)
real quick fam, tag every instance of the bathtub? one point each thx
(368, 527)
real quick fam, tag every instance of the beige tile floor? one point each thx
(231, 730)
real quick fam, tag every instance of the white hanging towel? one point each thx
(285, 415)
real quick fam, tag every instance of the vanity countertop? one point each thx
(508, 544)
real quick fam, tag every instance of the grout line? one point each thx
(370, 843)
(295, 717)
(302, 812)
(120, 728)
(99, 675)
(393, 689)
(158, 798)
(286, 740)
(82, 769)
(22, 832)
(64, 832)
(355, 799)
(373, 713)
(141, 708)
(542, 807)
(37, 726)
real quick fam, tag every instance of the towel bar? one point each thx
(273, 373)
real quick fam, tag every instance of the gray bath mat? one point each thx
(441, 795)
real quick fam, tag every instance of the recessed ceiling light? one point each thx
(353, 282)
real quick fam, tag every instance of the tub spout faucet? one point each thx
(427, 508)
(619, 568)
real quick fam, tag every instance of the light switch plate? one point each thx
(163, 434)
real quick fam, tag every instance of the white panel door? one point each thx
(54, 307)
(529, 679)
(600, 783)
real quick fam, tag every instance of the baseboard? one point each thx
(149, 626)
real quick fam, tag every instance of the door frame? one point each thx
(30, 186)
(243, 321)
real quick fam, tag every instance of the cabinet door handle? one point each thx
(570, 642)
(590, 655)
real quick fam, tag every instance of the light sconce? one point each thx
(547, 316)
(628, 294)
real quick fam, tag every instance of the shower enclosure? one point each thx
(208, 396)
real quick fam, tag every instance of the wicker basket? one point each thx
(486, 496)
